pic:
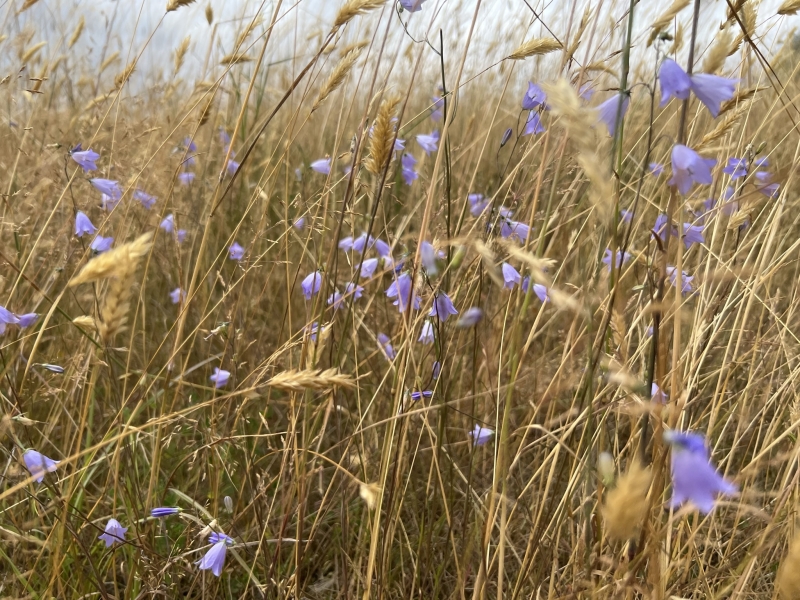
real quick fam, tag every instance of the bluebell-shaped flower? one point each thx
(429, 142)
(368, 268)
(311, 284)
(168, 223)
(146, 199)
(407, 169)
(470, 318)
(477, 204)
(114, 532)
(538, 289)
(186, 177)
(426, 336)
(480, 435)
(109, 187)
(323, 166)
(656, 168)
(686, 279)
(85, 158)
(674, 81)
(220, 377)
(511, 276)
(412, 5)
(101, 244)
(515, 229)
(214, 559)
(83, 225)
(620, 259)
(506, 136)
(385, 344)
(712, 90)
(533, 126)
(688, 168)
(692, 234)
(236, 251)
(108, 203)
(164, 511)
(442, 307)
(177, 295)
(402, 290)
(534, 97)
(610, 110)
(38, 464)
(27, 319)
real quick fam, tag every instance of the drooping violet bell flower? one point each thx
(351, 290)
(656, 168)
(108, 203)
(38, 464)
(27, 319)
(101, 244)
(383, 249)
(335, 299)
(694, 478)
(114, 532)
(85, 158)
(429, 142)
(506, 136)
(164, 511)
(412, 5)
(610, 109)
(692, 234)
(236, 251)
(180, 235)
(627, 215)
(470, 318)
(660, 226)
(168, 224)
(186, 177)
(399, 145)
(146, 199)
(480, 435)
(109, 187)
(712, 90)
(515, 229)
(426, 335)
(368, 268)
(477, 204)
(346, 243)
(407, 170)
(534, 124)
(299, 223)
(311, 284)
(736, 168)
(322, 166)
(224, 138)
(674, 81)
(656, 393)
(220, 377)
(177, 295)
(442, 307)
(686, 279)
(765, 186)
(534, 97)
(232, 167)
(7, 318)
(363, 242)
(538, 289)
(436, 370)
(83, 225)
(385, 344)
(688, 168)
(428, 256)
(586, 92)
(620, 259)
(511, 276)
(402, 290)
(437, 110)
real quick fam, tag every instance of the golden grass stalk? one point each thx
(337, 77)
(576, 40)
(107, 62)
(535, 47)
(311, 379)
(787, 582)
(730, 15)
(76, 34)
(665, 19)
(176, 4)
(382, 139)
(209, 14)
(789, 7)
(231, 59)
(180, 52)
(741, 95)
(626, 505)
(31, 52)
(245, 33)
(106, 265)
(353, 8)
(723, 126)
(123, 76)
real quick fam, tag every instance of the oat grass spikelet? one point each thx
(310, 379)
(787, 582)
(180, 52)
(626, 505)
(535, 47)
(123, 77)
(353, 8)
(382, 138)
(106, 264)
(789, 7)
(337, 77)
(176, 4)
(665, 19)
(76, 34)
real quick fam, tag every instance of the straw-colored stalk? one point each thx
(353, 8)
(297, 381)
(535, 47)
(665, 19)
(245, 33)
(626, 505)
(381, 141)
(176, 4)
(576, 40)
(337, 77)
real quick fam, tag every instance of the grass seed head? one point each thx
(626, 505)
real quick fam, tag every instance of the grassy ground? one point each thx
(337, 467)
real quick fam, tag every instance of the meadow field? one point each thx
(399, 299)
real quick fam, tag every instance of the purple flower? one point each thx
(675, 83)
(363, 242)
(694, 478)
(109, 187)
(164, 511)
(764, 185)
(586, 92)
(312, 330)
(382, 248)
(534, 97)
(323, 166)
(177, 295)
(429, 256)
(346, 243)
(506, 136)
(477, 204)
(85, 158)
(299, 223)
(214, 559)
(736, 168)
(417, 395)
(189, 145)
(608, 111)
(688, 167)
(7, 317)
(146, 199)
(114, 532)
(515, 229)
(181, 235)
(538, 289)
(470, 318)
(368, 268)
(311, 284)
(235, 252)
(168, 224)
(436, 370)
(620, 259)
(412, 5)
(335, 299)
(712, 90)
(356, 291)
(402, 289)
(627, 215)
(442, 307)
(224, 138)
(232, 166)
(480, 435)
(399, 145)
(83, 225)
(38, 464)
(186, 177)
(426, 335)
(656, 393)
(511, 276)
(407, 170)
(386, 346)
(686, 279)
(534, 124)
(692, 234)
(215, 538)
(101, 244)
(220, 377)
(660, 226)
(27, 319)
(428, 142)
(656, 168)
(108, 203)
(437, 111)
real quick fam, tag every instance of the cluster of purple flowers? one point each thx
(9, 318)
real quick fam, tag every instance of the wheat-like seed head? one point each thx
(176, 4)
(209, 14)
(337, 77)
(26, 5)
(76, 34)
(718, 52)
(742, 95)
(353, 8)
(109, 263)
(310, 379)
(789, 7)
(626, 505)
(787, 583)
(369, 493)
(122, 77)
(723, 126)
(382, 138)
(535, 47)
(180, 52)
(31, 52)
(232, 59)
(245, 33)
(665, 19)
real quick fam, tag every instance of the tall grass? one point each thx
(223, 359)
